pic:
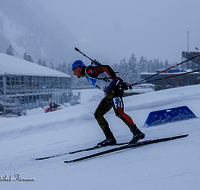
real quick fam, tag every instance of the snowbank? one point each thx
(170, 165)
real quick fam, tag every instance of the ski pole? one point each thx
(171, 76)
(93, 60)
(143, 80)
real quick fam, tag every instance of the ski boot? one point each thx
(110, 139)
(107, 142)
(137, 135)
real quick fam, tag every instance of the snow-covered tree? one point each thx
(64, 67)
(39, 62)
(143, 65)
(44, 63)
(123, 69)
(10, 50)
(51, 65)
(115, 67)
(150, 67)
(59, 67)
(133, 70)
(166, 64)
(27, 57)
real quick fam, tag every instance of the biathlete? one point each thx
(103, 77)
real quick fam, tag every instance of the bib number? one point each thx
(118, 102)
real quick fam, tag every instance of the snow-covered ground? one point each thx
(170, 165)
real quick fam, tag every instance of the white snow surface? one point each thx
(168, 165)
(13, 65)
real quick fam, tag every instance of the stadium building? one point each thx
(30, 85)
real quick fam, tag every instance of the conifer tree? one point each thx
(133, 71)
(143, 65)
(115, 67)
(10, 50)
(51, 65)
(44, 63)
(39, 62)
(150, 67)
(166, 64)
(64, 67)
(59, 68)
(123, 69)
(27, 57)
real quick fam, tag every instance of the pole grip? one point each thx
(76, 49)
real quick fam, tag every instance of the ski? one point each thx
(123, 147)
(76, 151)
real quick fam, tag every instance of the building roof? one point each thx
(15, 66)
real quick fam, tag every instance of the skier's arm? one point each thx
(95, 71)
(109, 71)
(118, 81)
(106, 68)
(103, 68)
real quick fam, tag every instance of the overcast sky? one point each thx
(112, 30)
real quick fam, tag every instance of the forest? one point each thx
(129, 70)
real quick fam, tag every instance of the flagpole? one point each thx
(188, 41)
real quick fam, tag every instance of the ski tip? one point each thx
(66, 161)
(40, 158)
(184, 135)
(76, 49)
(44, 158)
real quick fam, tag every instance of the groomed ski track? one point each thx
(172, 165)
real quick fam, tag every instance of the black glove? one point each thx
(120, 83)
(124, 86)
(130, 87)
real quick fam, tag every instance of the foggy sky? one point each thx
(110, 30)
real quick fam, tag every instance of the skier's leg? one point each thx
(118, 107)
(104, 106)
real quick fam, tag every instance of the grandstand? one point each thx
(30, 84)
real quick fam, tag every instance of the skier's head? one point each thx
(77, 64)
(77, 68)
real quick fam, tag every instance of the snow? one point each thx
(12, 65)
(169, 165)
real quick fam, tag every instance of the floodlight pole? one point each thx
(188, 41)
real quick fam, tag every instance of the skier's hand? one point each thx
(118, 80)
(120, 83)
(129, 87)
(124, 86)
